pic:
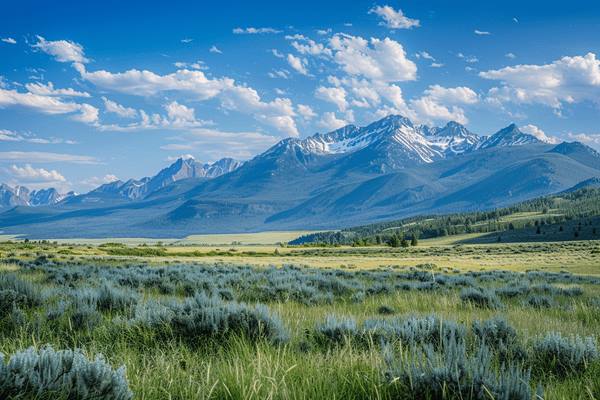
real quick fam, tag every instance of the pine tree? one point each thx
(415, 240)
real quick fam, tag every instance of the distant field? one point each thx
(246, 239)
(258, 238)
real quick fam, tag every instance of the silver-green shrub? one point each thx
(64, 374)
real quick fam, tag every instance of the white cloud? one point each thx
(306, 111)
(182, 156)
(12, 136)
(481, 33)
(512, 56)
(382, 60)
(297, 63)
(277, 113)
(194, 65)
(48, 105)
(277, 53)
(310, 47)
(49, 90)
(442, 104)
(9, 40)
(436, 65)
(212, 144)
(96, 181)
(324, 31)
(44, 157)
(28, 173)
(116, 108)
(87, 114)
(254, 31)
(335, 95)
(592, 139)
(215, 49)
(425, 55)
(61, 50)
(279, 73)
(567, 80)
(468, 59)
(148, 83)
(538, 133)
(330, 122)
(394, 19)
(180, 114)
(187, 40)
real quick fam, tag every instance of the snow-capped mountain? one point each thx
(392, 142)
(509, 136)
(22, 196)
(136, 189)
(354, 175)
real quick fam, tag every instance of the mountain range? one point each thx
(389, 169)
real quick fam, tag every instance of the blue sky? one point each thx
(94, 92)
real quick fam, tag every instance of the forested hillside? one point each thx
(570, 215)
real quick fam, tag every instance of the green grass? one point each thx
(236, 368)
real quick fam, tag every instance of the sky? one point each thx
(91, 92)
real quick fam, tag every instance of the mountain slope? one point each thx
(391, 168)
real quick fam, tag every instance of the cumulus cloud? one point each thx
(382, 60)
(567, 80)
(308, 46)
(512, 56)
(116, 108)
(254, 31)
(61, 50)
(335, 95)
(306, 111)
(330, 122)
(9, 40)
(215, 49)
(443, 104)
(298, 64)
(394, 19)
(277, 113)
(180, 114)
(28, 173)
(538, 133)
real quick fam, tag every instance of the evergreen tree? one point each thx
(415, 240)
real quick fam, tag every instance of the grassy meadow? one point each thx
(265, 321)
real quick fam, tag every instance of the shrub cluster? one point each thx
(201, 317)
(449, 372)
(564, 355)
(50, 374)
